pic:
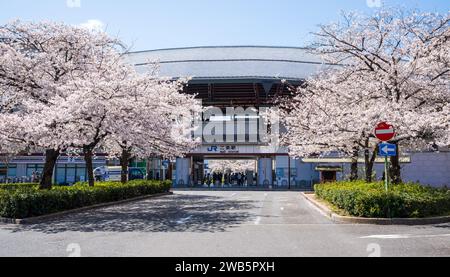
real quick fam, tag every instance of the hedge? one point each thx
(19, 186)
(26, 203)
(371, 200)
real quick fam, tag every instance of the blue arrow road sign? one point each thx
(387, 150)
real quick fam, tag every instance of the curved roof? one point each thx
(229, 62)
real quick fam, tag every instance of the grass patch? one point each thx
(371, 201)
(27, 201)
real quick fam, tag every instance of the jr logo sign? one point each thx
(213, 149)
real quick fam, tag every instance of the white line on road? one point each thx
(404, 236)
(184, 220)
(258, 219)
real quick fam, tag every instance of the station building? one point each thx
(241, 77)
(254, 77)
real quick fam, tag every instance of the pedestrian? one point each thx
(239, 178)
(34, 177)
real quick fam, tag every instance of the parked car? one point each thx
(114, 173)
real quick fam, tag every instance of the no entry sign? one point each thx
(384, 131)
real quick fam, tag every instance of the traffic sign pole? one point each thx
(385, 132)
(386, 172)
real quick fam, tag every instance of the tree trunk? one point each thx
(367, 165)
(370, 161)
(51, 157)
(149, 164)
(395, 170)
(88, 154)
(124, 161)
(354, 166)
(7, 170)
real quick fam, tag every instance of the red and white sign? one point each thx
(384, 131)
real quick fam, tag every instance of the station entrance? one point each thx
(233, 172)
(227, 173)
(203, 171)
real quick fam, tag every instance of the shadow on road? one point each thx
(443, 226)
(177, 213)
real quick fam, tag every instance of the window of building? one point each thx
(34, 168)
(70, 174)
(3, 171)
(12, 171)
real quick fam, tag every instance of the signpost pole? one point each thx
(385, 132)
(386, 170)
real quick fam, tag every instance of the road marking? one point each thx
(404, 236)
(184, 220)
(233, 195)
(258, 219)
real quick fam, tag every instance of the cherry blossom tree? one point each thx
(38, 62)
(66, 89)
(222, 166)
(391, 66)
(156, 121)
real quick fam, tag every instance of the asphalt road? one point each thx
(218, 224)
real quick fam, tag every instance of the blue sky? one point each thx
(153, 24)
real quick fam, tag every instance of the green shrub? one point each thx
(19, 186)
(370, 200)
(25, 203)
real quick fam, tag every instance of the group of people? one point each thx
(36, 177)
(218, 178)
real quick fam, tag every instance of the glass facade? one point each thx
(67, 171)
(3, 172)
(34, 168)
(8, 172)
(158, 169)
(70, 173)
(12, 171)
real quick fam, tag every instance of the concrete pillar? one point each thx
(183, 172)
(265, 172)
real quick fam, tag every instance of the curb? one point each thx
(374, 221)
(40, 219)
(240, 189)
